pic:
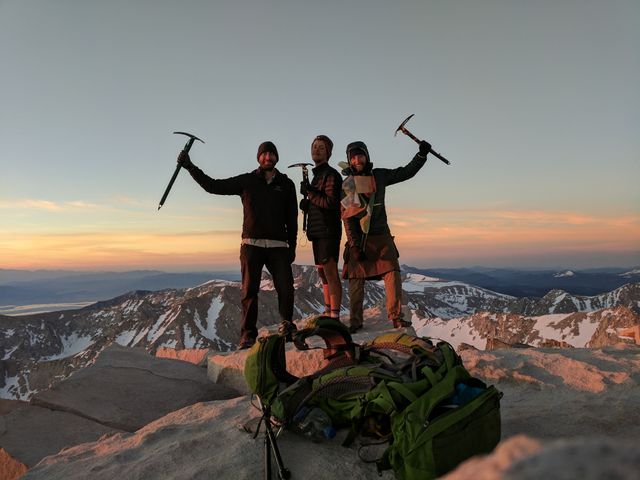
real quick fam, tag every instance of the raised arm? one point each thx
(227, 186)
(400, 174)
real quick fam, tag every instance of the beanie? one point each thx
(328, 144)
(357, 147)
(268, 147)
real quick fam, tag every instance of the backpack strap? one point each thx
(336, 337)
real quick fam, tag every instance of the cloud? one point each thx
(492, 232)
(126, 250)
(47, 205)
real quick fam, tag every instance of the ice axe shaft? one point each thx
(404, 130)
(305, 177)
(186, 149)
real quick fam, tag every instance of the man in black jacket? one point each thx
(370, 252)
(269, 231)
(324, 229)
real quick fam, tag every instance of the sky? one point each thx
(536, 104)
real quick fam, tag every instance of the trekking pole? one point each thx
(271, 445)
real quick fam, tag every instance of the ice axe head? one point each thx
(192, 138)
(401, 127)
(305, 172)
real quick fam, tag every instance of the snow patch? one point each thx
(631, 273)
(10, 389)
(566, 273)
(124, 338)
(207, 326)
(7, 354)
(131, 306)
(161, 325)
(455, 331)
(71, 345)
(548, 328)
(190, 341)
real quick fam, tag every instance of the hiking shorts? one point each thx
(325, 249)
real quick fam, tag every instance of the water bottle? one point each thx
(465, 393)
(314, 423)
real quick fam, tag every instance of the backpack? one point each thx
(265, 368)
(403, 389)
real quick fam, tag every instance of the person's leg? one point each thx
(333, 287)
(251, 263)
(325, 290)
(326, 253)
(356, 299)
(393, 290)
(280, 269)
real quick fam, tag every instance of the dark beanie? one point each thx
(267, 147)
(357, 147)
(328, 144)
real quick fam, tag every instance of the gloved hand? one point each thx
(292, 254)
(184, 161)
(304, 205)
(305, 188)
(425, 147)
(356, 253)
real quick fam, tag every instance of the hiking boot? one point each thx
(287, 329)
(354, 328)
(400, 323)
(246, 343)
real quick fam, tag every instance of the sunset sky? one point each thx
(536, 104)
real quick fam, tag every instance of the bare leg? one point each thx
(333, 287)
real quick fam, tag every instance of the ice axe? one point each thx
(305, 179)
(404, 130)
(186, 149)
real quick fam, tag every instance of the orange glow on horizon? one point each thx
(420, 234)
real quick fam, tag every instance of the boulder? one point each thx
(197, 356)
(202, 442)
(31, 433)
(10, 468)
(104, 392)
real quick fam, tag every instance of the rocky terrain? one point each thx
(566, 413)
(40, 350)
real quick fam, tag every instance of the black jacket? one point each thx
(270, 209)
(323, 219)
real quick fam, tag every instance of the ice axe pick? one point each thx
(404, 130)
(186, 149)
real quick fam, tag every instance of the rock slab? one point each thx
(127, 388)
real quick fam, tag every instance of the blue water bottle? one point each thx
(315, 424)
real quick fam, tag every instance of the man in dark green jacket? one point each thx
(370, 252)
(269, 234)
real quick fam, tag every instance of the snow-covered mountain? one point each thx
(566, 273)
(631, 274)
(499, 330)
(42, 348)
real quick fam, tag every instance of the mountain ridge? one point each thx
(42, 348)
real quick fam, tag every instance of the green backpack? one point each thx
(265, 368)
(416, 395)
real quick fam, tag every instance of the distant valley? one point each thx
(23, 292)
